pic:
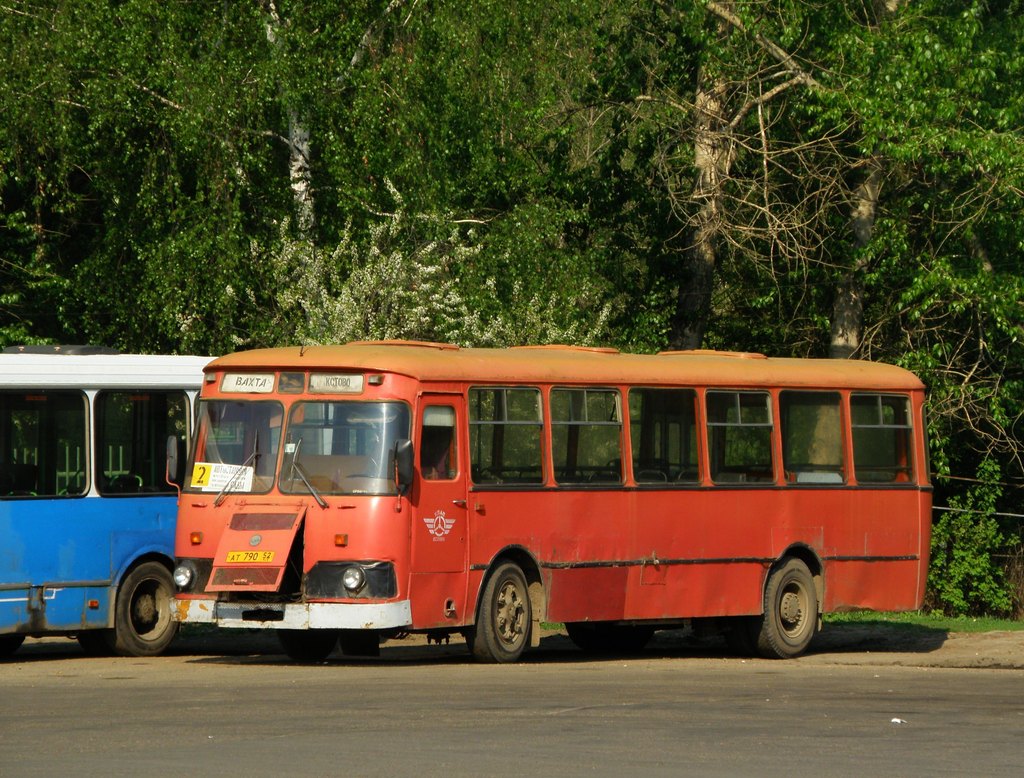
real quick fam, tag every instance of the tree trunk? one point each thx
(300, 175)
(848, 308)
(299, 172)
(713, 154)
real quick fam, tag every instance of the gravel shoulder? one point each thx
(899, 645)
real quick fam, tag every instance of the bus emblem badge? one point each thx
(439, 525)
(255, 540)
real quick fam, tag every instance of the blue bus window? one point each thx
(132, 432)
(42, 443)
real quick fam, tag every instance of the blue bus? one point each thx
(87, 510)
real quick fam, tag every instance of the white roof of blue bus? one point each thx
(96, 371)
(569, 364)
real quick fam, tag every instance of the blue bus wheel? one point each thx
(142, 616)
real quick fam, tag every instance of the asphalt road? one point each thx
(678, 710)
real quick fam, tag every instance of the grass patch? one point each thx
(929, 620)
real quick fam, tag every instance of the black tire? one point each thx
(790, 611)
(308, 645)
(504, 619)
(142, 614)
(359, 642)
(604, 638)
(97, 642)
(10, 643)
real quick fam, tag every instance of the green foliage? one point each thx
(964, 578)
(917, 620)
(411, 279)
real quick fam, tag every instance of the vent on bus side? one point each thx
(566, 347)
(417, 343)
(710, 352)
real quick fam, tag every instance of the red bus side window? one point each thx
(740, 437)
(812, 437)
(586, 436)
(663, 430)
(505, 426)
(881, 438)
(437, 443)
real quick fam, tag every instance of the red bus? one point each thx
(349, 493)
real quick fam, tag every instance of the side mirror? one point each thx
(403, 465)
(173, 474)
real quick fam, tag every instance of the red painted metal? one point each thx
(618, 552)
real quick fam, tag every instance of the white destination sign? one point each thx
(335, 383)
(247, 383)
(215, 476)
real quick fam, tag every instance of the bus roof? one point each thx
(574, 365)
(98, 371)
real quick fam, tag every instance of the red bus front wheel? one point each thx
(502, 629)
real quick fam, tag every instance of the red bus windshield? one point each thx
(342, 447)
(236, 446)
(334, 447)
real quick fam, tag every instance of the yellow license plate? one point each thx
(250, 556)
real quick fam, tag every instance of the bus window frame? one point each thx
(543, 440)
(699, 442)
(320, 481)
(200, 437)
(87, 401)
(578, 424)
(99, 411)
(743, 480)
(816, 476)
(904, 475)
(452, 454)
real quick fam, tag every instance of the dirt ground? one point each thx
(903, 645)
(911, 646)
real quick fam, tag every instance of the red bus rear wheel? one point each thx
(502, 629)
(790, 611)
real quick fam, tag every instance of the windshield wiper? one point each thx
(238, 470)
(297, 468)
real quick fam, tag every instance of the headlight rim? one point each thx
(184, 575)
(357, 582)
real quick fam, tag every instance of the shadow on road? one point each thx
(865, 637)
(204, 644)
